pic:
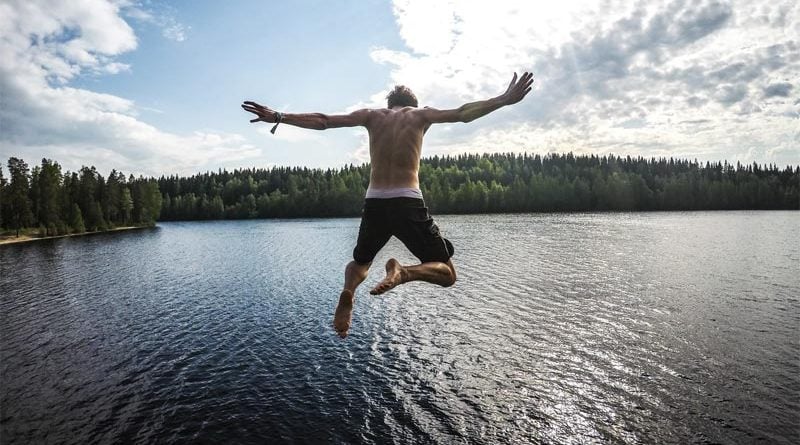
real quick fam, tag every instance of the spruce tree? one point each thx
(19, 203)
(49, 191)
(76, 219)
(125, 204)
(2, 190)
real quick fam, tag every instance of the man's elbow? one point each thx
(466, 115)
(322, 122)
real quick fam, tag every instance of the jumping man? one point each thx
(394, 205)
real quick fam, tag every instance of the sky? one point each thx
(154, 88)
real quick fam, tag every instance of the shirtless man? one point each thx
(394, 205)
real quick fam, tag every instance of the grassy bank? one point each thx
(26, 235)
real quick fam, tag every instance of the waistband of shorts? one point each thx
(394, 192)
(394, 202)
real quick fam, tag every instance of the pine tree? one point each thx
(76, 219)
(111, 204)
(2, 190)
(19, 203)
(49, 191)
(125, 205)
(90, 189)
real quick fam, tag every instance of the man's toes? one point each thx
(341, 330)
(379, 288)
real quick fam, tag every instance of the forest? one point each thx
(61, 203)
(489, 183)
(73, 202)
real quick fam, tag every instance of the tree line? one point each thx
(79, 201)
(73, 202)
(490, 183)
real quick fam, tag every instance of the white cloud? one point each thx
(45, 45)
(175, 31)
(435, 19)
(115, 68)
(610, 76)
(361, 154)
(159, 15)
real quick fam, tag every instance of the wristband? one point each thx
(278, 119)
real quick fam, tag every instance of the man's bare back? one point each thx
(395, 147)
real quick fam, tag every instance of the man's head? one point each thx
(401, 96)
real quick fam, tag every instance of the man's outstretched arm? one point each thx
(516, 91)
(314, 121)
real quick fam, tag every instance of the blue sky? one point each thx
(154, 87)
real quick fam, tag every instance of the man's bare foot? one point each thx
(344, 313)
(395, 275)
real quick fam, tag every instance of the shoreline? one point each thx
(28, 238)
(555, 212)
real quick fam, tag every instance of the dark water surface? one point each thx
(575, 328)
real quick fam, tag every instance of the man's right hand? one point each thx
(517, 89)
(265, 114)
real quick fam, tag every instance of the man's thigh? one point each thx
(373, 234)
(416, 229)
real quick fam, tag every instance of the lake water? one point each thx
(565, 328)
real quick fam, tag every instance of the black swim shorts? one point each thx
(408, 220)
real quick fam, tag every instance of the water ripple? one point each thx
(621, 328)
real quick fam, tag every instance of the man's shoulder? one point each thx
(396, 109)
(389, 113)
(378, 117)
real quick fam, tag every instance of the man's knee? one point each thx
(355, 267)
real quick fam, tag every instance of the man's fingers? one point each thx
(257, 112)
(522, 83)
(253, 110)
(519, 86)
(525, 81)
(256, 106)
(513, 81)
